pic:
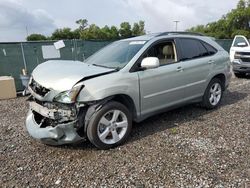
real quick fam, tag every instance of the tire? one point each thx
(240, 75)
(212, 96)
(110, 126)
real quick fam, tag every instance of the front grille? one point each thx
(245, 59)
(243, 53)
(38, 89)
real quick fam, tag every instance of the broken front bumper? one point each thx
(58, 135)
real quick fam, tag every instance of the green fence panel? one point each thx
(225, 43)
(12, 60)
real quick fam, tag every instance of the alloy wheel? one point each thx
(112, 127)
(215, 94)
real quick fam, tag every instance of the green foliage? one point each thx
(64, 33)
(125, 30)
(83, 23)
(233, 23)
(111, 33)
(93, 32)
(138, 28)
(36, 37)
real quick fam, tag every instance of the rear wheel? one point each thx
(110, 126)
(213, 94)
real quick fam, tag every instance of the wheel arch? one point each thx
(126, 101)
(222, 78)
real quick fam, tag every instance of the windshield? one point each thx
(116, 55)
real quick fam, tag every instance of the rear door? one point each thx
(197, 63)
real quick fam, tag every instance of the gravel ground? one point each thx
(186, 147)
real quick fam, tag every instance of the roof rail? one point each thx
(179, 33)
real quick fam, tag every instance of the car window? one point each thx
(116, 55)
(191, 48)
(211, 50)
(165, 52)
(239, 40)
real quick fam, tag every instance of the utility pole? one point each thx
(176, 24)
(27, 33)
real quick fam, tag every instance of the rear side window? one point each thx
(191, 48)
(211, 50)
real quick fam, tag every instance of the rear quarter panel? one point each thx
(221, 65)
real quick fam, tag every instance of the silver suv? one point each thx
(129, 80)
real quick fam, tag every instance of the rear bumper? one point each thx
(58, 135)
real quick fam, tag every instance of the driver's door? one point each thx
(163, 86)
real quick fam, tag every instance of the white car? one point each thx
(240, 56)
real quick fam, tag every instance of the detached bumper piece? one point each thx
(53, 124)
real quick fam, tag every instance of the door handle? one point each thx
(179, 69)
(211, 61)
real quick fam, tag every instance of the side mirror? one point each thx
(241, 44)
(150, 63)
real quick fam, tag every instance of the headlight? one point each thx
(68, 96)
(237, 55)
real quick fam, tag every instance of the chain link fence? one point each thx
(27, 55)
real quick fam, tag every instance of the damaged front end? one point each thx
(52, 122)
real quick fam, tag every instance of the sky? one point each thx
(21, 17)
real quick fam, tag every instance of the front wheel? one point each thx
(213, 94)
(110, 126)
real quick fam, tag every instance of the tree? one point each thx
(93, 32)
(36, 37)
(138, 29)
(142, 27)
(114, 32)
(64, 33)
(125, 30)
(234, 22)
(83, 23)
(241, 4)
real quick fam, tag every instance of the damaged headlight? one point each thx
(68, 96)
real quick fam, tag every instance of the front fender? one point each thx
(110, 85)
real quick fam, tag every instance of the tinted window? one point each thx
(191, 49)
(211, 50)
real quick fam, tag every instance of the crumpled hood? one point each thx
(62, 75)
